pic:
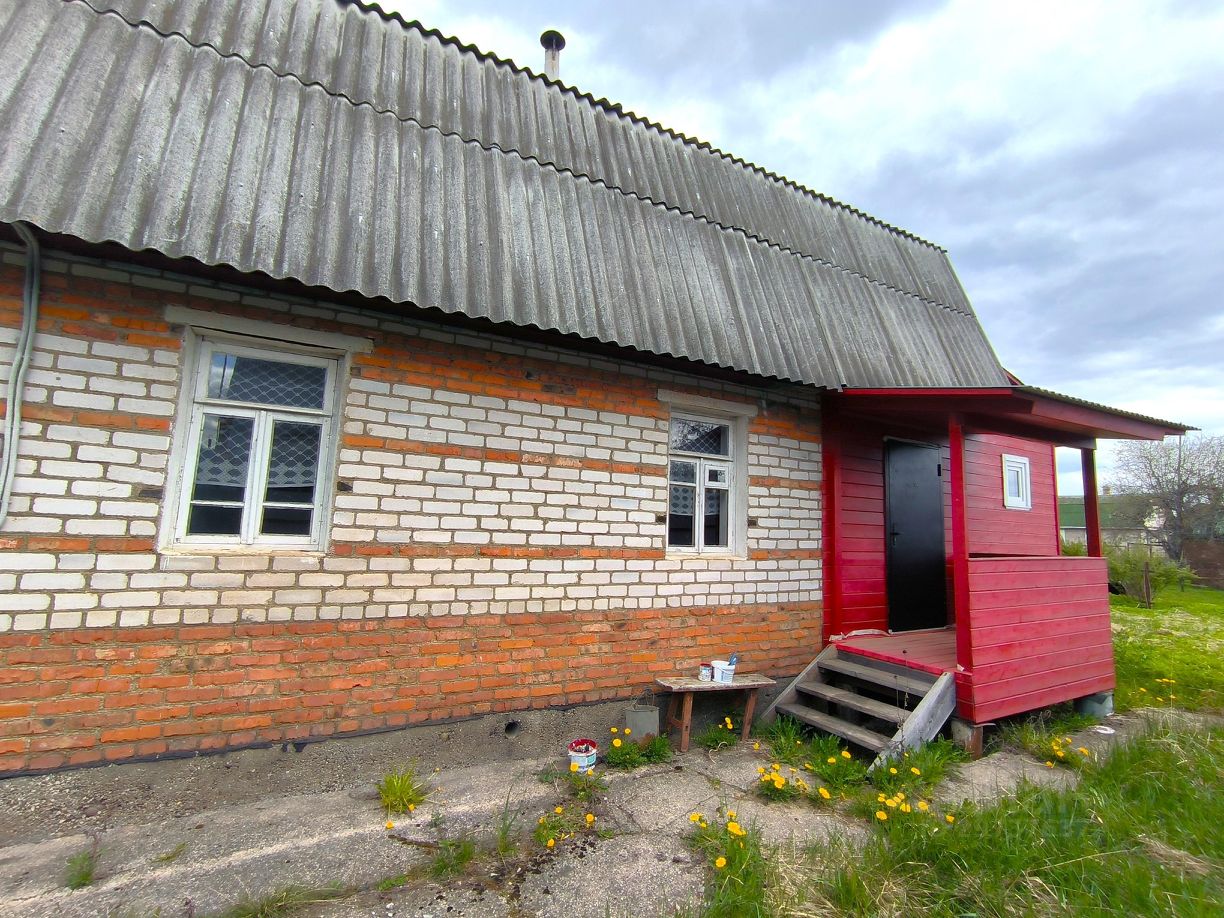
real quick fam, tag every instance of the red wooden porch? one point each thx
(1024, 627)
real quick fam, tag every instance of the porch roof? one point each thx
(1020, 410)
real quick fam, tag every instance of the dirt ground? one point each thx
(194, 837)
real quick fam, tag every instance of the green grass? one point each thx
(81, 868)
(169, 857)
(1181, 638)
(284, 901)
(401, 791)
(738, 869)
(453, 855)
(1143, 834)
(1042, 733)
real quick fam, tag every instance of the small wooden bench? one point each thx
(683, 688)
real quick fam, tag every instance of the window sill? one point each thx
(186, 551)
(672, 555)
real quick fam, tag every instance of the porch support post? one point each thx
(1092, 510)
(831, 483)
(960, 542)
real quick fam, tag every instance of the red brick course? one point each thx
(92, 695)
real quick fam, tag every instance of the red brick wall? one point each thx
(88, 695)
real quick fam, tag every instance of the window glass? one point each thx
(681, 512)
(239, 378)
(693, 436)
(221, 471)
(716, 519)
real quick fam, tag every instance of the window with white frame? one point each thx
(260, 429)
(701, 470)
(1017, 488)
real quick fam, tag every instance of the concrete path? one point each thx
(173, 863)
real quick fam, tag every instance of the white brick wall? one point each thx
(582, 479)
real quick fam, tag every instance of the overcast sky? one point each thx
(1069, 156)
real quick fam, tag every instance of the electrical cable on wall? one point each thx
(17, 373)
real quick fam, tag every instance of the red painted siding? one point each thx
(860, 531)
(1039, 629)
(995, 529)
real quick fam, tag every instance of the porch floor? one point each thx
(929, 651)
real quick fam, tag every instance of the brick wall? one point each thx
(495, 545)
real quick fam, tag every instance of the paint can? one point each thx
(705, 673)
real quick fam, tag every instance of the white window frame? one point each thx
(1024, 499)
(195, 404)
(734, 415)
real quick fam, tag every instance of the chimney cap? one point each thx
(552, 40)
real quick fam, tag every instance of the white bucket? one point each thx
(724, 672)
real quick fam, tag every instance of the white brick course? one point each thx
(583, 479)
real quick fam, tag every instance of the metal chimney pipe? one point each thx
(552, 42)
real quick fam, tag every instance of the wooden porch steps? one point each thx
(879, 706)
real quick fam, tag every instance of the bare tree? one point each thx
(1176, 488)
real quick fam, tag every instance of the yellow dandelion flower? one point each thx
(730, 814)
(775, 766)
(807, 765)
(704, 824)
(824, 793)
(735, 829)
(1061, 754)
(390, 825)
(590, 771)
(559, 810)
(899, 795)
(882, 816)
(573, 766)
(756, 747)
(694, 817)
(880, 798)
(1049, 764)
(614, 730)
(541, 820)
(616, 742)
(915, 770)
(890, 803)
(923, 805)
(950, 818)
(412, 808)
(845, 753)
(832, 760)
(1142, 689)
(761, 771)
(720, 862)
(627, 731)
(552, 843)
(906, 808)
(1084, 751)
(590, 818)
(892, 771)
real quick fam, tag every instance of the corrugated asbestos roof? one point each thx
(322, 141)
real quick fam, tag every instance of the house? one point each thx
(370, 381)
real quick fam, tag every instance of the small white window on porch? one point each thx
(1017, 486)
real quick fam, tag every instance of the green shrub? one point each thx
(1126, 564)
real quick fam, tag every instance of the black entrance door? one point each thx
(914, 536)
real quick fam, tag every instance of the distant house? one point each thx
(371, 381)
(1117, 525)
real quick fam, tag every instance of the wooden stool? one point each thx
(683, 687)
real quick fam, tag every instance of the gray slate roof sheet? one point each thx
(322, 141)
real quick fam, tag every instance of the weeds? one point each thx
(1046, 735)
(169, 857)
(284, 901)
(561, 825)
(786, 740)
(627, 753)
(401, 791)
(773, 785)
(507, 829)
(454, 854)
(81, 869)
(717, 735)
(739, 875)
(1140, 836)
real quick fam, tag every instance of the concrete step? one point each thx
(846, 698)
(860, 736)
